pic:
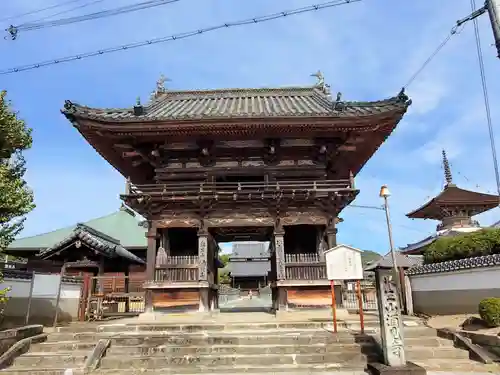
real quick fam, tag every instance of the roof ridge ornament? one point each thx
(160, 86)
(402, 97)
(320, 83)
(447, 170)
(138, 108)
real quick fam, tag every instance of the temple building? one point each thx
(454, 208)
(264, 164)
(249, 266)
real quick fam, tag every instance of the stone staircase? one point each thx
(252, 348)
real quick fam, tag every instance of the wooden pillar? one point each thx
(100, 284)
(331, 233)
(126, 288)
(279, 250)
(203, 269)
(152, 237)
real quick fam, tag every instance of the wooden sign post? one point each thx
(343, 263)
(334, 306)
(360, 305)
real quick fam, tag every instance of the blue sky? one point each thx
(367, 50)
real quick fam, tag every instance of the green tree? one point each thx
(16, 199)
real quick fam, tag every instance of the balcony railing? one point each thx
(236, 190)
(177, 269)
(302, 258)
(178, 273)
(305, 272)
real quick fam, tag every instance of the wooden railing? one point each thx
(178, 260)
(302, 258)
(177, 273)
(232, 190)
(305, 272)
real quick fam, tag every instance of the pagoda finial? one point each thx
(447, 170)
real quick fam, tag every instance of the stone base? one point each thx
(158, 315)
(410, 368)
(342, 314)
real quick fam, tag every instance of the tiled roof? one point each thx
(122, 225)
(454, 196)
(249, 250)
(94, 239)
(253, 268)
(455, 265)
(240, 103)
(402, 260)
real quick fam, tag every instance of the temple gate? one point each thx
(210, 166)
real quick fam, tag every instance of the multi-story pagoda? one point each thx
(209, 166)
(454, 208)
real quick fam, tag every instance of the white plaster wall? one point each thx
(473, 279)
(19, 288)
(70, 290)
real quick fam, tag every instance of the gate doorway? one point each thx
(244, 282)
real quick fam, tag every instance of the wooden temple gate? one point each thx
(212, 166)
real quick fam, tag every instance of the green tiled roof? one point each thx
(122, 225)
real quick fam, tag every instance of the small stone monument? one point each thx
(391, 328)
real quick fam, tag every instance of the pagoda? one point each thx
(225, 165)
(454, 208)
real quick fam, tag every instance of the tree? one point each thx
(16, 199)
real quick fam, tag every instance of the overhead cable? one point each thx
(179, 36)
(14, 30)
(38, 10)
(486, 98)
(84, 5)
(454, 30)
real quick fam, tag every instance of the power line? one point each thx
(185, 35)
(14, 30)
(486, 97)
(431, 57)
(39, 10)
(454, 30)
(35, 22)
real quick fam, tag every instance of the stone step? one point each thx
(39, 371)
(226, 327)
(162, 350)
(62, 346)
(90, 336)
(235, 340)
(51, 360)
(415, 353)
(332, 369)
(457, 366)
(160, 362)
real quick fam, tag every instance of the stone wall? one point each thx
(43, 300)
(454, 287)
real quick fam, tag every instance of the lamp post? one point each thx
(385, 193)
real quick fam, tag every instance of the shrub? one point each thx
(489, 311)
(482, 242)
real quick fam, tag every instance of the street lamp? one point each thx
(385, 193)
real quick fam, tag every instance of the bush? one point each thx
(489, 311)
(482, 242)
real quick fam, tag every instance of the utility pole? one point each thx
(493, 7)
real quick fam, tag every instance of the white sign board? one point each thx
(344, 263)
